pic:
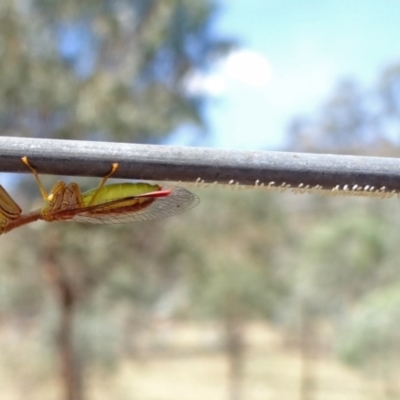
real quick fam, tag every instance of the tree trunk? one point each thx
(235, 349)
(70, 372)
(307, 349)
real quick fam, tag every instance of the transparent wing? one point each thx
(177, 202)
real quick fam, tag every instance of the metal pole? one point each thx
(277, 170)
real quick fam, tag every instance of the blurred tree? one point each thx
(353, 120)
(339, 258)
(342, 259)
(231, 274)
(370, 337)
(100, 70)
(353, 270)
(103, 69)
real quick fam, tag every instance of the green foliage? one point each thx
(344, 257)
(370, 338)
(103, 69)
(230, 268)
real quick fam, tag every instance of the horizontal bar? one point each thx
(191, 164)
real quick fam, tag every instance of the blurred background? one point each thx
(251, 295)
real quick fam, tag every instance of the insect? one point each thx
(9, 209)
(106, 204)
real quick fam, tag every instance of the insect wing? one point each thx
(8, 207)
(178, 201)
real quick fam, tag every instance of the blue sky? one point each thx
(292, 54)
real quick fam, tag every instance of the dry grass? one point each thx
(271, 372)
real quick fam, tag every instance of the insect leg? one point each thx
(35, 174)
(114, 167)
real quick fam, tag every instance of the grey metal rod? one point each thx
(188, 164)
